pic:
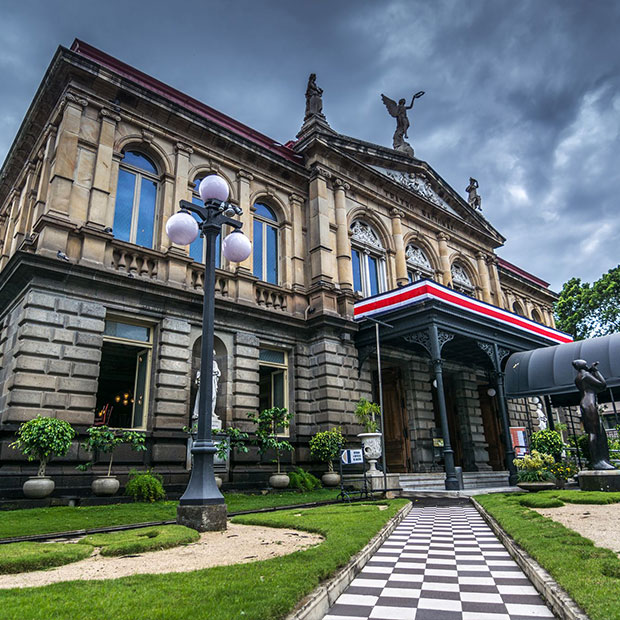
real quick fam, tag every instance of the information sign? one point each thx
(352, 457)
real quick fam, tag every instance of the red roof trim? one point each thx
(152, 84)
(426, 289)
(521, 272)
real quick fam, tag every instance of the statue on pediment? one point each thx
(399, 112)
(473, 199)
(314, 98)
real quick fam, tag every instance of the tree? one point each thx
(587, 310)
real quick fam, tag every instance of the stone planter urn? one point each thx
(279, 481)
(106, 486)
(218, 482)
(371, 446)
(330, 479)
(38, 487)
(533, 487)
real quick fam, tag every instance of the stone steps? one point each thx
(436, 480)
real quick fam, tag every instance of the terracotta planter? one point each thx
(38, 487)
(279, 481)
(536, 486)
(330, 479)
(104, 487)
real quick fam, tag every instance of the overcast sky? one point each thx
(524, 96)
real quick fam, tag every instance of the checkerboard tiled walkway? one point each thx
(440, 563)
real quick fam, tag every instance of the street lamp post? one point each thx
(202, 506)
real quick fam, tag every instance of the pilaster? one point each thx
(444, 258)
(343, 245)
(401, 260)
(484, 277)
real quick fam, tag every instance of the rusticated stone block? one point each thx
(175, 325)
(163, 452)
(84, 324)
(40, 300)
(94, 310)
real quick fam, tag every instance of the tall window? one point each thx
(122, 394)
(273, 380)
(460, 279)
(265, 244)
(368, 258)
(418, 265)
(136, 199)
(197, 248)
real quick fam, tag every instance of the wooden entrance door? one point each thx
(397, 443)
(492, 430)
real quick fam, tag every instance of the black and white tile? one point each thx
(440, 563)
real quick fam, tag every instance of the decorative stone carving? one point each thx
(399, 112)
(318, 171)
(148, 136)
(460, 277)
(110, 115)
(365, 235)
(183, 148)
(340, 184)
(69, 97)
(416, 257)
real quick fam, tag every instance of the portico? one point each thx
(443, 379)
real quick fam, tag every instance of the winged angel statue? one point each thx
(399, 112)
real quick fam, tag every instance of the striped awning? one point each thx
(423, 290)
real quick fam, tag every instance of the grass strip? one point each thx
(29, 556)
(144, 539)
(68, 518)
(590, 575)
(256, 591)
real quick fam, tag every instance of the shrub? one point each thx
(366, 413)
(326, 446)
(145, 486)
(534, 467)
(563, 470)
(41, 438)
(303, 480)
(105, 439)
(547, 441)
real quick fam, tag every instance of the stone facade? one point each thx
(66, 274)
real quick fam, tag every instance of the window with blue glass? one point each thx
(136, 199)
(265, 244)
(368, 260)
(197, 248)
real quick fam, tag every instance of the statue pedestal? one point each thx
(209, 518)
(595, 480)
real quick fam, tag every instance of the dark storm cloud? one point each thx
(525, 96)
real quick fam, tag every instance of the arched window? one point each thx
(517, 308)
(536, 316)
(136, 199)
(460, 279)
(368, 257)
(265, 243)
(197, 248)
(418, 265)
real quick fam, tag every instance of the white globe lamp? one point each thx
(182, 228)
(236, 247)
(213, 187)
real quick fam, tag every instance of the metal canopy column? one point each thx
(452, 482)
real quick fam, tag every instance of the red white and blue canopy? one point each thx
(423, 290)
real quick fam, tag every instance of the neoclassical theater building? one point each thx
(100, 314)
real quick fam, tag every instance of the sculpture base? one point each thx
(210, 518)
(595, 480)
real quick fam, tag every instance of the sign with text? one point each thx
(519, 440)
(352, 457)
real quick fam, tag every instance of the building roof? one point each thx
(207, 112)
(521, 272)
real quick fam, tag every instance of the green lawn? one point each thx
(591, 575)
(66, 518)
(28, 556)
(265, 590)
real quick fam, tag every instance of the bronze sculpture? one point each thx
(399, 112)
(473, 199)
(589, 382)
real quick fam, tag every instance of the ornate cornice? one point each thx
(320, 172)
(339, 184)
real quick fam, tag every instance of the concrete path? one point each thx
(441, 563)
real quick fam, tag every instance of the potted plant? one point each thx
(106, 439)
(40, 439)
(547, 441)
(533, 471)
(366, 414)
(562, 471)
(325, 447)
(269, 423)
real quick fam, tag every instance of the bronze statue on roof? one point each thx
(399, 112)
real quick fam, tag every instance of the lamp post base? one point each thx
(209, 518)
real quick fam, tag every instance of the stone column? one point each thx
(44, 179)
(61, 182)
(401, 261)
(9, 227)
(318, 228)
(444, 258)
(245, 179)
(298, 245)
(23, 210)
(343, 245)
(98, 216)
(500, 300)
(484, 277)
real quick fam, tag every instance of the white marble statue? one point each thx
(216, 423)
